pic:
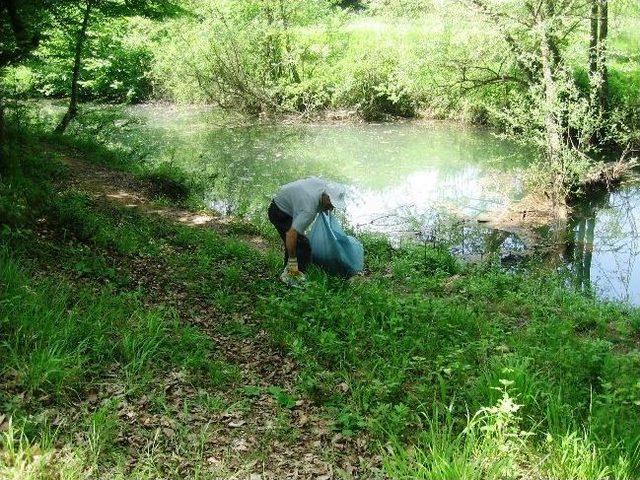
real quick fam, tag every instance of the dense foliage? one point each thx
(383, 57)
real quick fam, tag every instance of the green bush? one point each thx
(376, 87)
(25, 191)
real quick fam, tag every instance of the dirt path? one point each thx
(253, 437)
(124, 189)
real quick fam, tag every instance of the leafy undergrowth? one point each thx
(136, 347)
(486, 374)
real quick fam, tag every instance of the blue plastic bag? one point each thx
(334, 250)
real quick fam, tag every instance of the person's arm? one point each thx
(298, 225)
(291, 240)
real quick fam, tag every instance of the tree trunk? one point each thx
(24, 41)
(598, 56)
(593, 40)
(77, 63)
(552, 126)
(293, 71)
(602, 57)
(552, 118)
(9, 164)
(4, 158)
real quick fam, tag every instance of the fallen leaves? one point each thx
(4, 423)
(240, 445)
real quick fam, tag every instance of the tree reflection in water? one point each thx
(598, 247)
(578, 246)
(603, 243)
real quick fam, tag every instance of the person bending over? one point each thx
(292, 210)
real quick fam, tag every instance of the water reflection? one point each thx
(423, 197)
(598, 248)
(577, 251)
(602, 246)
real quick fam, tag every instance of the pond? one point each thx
(425, 181)
(398, 176)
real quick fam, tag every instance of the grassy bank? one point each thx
(109, 368)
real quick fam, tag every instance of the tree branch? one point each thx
(529, 70)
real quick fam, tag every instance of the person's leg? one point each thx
(303, 250)
(282, 222)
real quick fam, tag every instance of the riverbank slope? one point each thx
(141, 345)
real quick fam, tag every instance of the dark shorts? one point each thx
(282, 222)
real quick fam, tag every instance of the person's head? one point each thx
(332, 197)
(325, 202)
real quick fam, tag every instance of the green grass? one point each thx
(408, 348)
(60, 341)
(457, 372)
(71, 323)
(58, 337)
(493, 446)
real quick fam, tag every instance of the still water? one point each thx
(424, 181)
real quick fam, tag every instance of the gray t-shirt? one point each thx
(301, 200)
